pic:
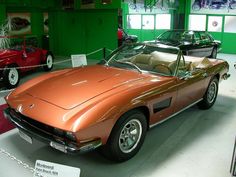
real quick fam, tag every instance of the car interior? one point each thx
(165, 64)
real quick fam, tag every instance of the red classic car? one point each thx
(114, 103)
(19, 59)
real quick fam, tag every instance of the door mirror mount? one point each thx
(187, 75)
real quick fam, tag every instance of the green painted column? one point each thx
(37, 26)
(3, 14)
(187, 13)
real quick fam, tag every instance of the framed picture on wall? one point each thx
(20, 23)
(213, 6)
(45, 22)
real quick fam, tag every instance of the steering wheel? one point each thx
(163, 69)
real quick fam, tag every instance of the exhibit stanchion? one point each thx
(104, 52)
(233, 161)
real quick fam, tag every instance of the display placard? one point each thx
(78, 60)
(49, 169)
(233, 162)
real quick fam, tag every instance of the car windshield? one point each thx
(175, 36)
(145, 58)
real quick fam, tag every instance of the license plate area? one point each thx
(26, 137)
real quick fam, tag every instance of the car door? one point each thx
(195, 49)
(191, 86)
(206, 44)
(31, 57)
(162, 101)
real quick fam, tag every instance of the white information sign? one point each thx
(78, 60)
(49, 169)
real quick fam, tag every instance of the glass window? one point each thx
(214, 23)
(134, 21)
(163, 21)
(197, 22)
(204, 37)
(230, 24)
(196, 36)
(148, 21)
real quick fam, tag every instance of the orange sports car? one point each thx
(114, 103)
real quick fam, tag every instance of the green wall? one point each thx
(2, 13)
(73, 31)
(83, 31)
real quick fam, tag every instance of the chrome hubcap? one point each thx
(130, 136)
(13, 76)
(211, 92)
(49, 61)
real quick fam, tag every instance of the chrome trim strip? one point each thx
(153, 125)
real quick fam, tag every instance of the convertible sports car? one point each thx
(22, 56)
(194, 43)
(112, 105)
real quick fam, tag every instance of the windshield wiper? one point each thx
(130, 64)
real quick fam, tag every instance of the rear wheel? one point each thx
(126, 137)
(48, 62)
(210, 95)
(11, 76)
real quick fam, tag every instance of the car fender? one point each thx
(98, 119)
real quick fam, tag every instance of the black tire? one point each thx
(48, 62)
(214, 53)
(115, 149)
(210, 96)
(11, 76)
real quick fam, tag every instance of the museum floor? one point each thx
(194, 143)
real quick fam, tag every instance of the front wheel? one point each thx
(210, 96)
(11, 76)
(126, 137)
(48, 62)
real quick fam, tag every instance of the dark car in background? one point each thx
(194, 43)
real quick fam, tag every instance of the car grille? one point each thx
(38, 126)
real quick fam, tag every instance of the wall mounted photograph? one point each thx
(213, 6)
(20, 23)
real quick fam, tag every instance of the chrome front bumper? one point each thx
(56, 142)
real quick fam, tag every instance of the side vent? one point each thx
(159, 106)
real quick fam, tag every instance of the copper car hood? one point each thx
(77, 86)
